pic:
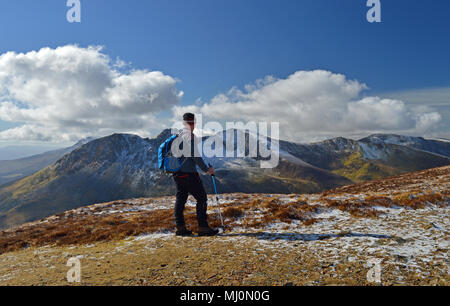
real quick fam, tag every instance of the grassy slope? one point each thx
(12, 170)
(357, 169)
(399, 161)
(332, 251)
(14, 196)
(46, 192)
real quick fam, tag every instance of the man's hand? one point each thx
(211, 171)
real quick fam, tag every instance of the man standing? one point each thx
(188, 182)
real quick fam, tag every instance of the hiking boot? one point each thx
(183, 231)
(207, 231)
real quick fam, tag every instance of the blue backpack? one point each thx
(166, 161)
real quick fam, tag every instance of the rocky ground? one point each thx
(332, 238)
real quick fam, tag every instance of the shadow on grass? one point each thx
(302, 237)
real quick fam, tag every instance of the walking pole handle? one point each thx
(209, 165)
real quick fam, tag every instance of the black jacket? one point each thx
(190, 163)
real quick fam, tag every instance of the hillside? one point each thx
(12, 170)
(271, 239)
(123, 166)
(374, 157)
(441, 147)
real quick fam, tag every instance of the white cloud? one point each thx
(312, 105)
(67, 93)
(437, 96)
(70, 92)
(423, 99)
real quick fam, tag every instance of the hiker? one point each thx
(188, 181)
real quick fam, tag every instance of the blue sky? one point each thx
(212, 45)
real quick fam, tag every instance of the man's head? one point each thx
(189, 120)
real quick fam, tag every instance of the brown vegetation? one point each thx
(417, 201)
(233, 212)
(359, 210)
(396, 182)
(366, 208)
(72, 229)
(84, 226)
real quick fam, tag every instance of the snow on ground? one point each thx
(406, 239)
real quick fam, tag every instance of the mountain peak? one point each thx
(83, 141)
(164, 135)
(118, 139)
(392, 139)
(123, 166)
(338, 143)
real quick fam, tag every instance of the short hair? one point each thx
(189, 117)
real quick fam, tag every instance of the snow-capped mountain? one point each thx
(440, 147)
(123, 166)
(373, 157)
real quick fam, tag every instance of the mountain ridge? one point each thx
(13, 170)
(123, 166)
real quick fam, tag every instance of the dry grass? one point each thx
(233, 212)
(279, 212)
(418, 201)
(365, 209)
(87, 229)
(84, 228)
(358, 210)
(201, 262)
(437, 175)
(252, 211)
(375, 200)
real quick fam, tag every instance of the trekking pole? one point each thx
(217, 201)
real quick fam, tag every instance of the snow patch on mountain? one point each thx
(374, 152)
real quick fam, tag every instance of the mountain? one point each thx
(440, 147)
(11, 170)
(123, 166)
(373, 157)
(11, 152)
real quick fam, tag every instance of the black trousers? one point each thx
(190, 183)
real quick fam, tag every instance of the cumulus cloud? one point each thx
(70, 92)
(63, 94)
(312, 105)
